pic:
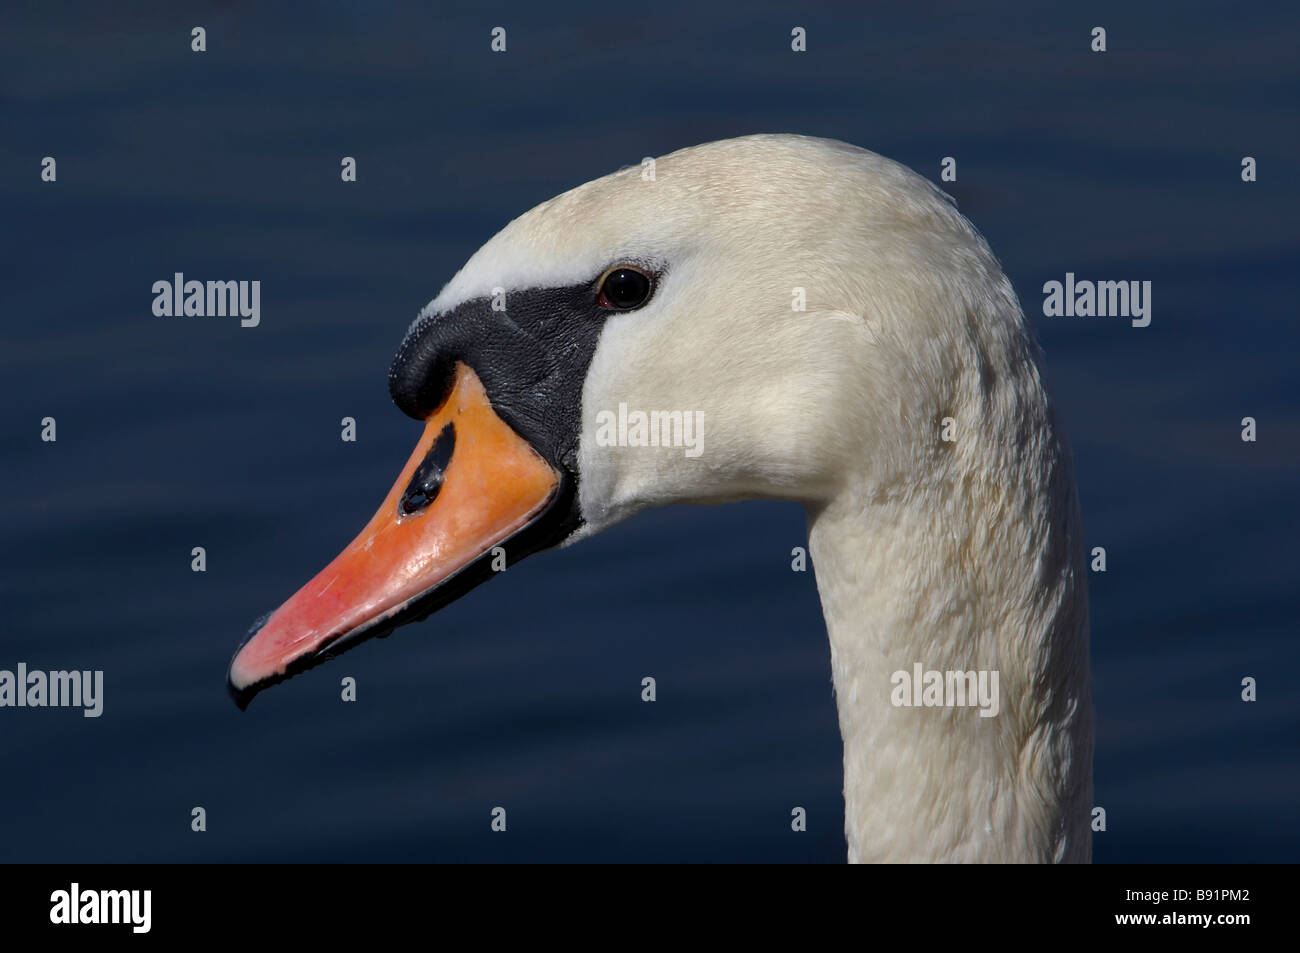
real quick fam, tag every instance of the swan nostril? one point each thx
(426, 481)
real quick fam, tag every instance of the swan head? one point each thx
(772, 316)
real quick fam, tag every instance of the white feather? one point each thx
(960, 555)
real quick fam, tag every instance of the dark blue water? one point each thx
(175, 433)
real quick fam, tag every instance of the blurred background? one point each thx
(183, 432)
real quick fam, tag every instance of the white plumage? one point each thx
(960, 555)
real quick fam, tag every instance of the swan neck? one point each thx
(962, 577)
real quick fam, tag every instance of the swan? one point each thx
(846, 339)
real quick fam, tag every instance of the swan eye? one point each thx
(624, 289)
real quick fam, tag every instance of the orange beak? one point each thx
(471, 484)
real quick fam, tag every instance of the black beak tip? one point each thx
(243, 697)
